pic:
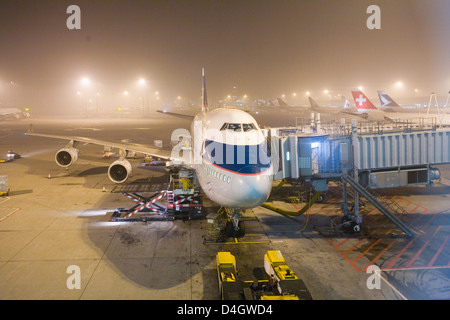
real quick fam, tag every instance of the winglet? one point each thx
(204, 96)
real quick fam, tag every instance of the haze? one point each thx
(261, 48)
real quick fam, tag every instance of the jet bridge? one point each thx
(388, 158)
(368, 160)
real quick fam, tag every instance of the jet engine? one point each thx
(66, 156)
(119, 171)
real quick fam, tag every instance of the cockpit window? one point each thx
(238, 127)
(231, 126)
(234, 126)
(248, 126)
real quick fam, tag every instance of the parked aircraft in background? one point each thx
(388, 104)
(364, 105)
(13, 113)
(346, 111)
(344, 106)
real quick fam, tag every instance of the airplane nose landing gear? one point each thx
(234, 227)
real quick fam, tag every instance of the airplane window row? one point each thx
(218, 175)
(238, 126)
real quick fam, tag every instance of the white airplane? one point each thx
(345, 111)
(364, 105)
(13, 113)
(344, 106)
(303, 109)
(227, 151)
(389, 105)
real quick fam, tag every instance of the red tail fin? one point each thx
(361, 101)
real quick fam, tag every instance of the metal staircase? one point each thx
(385, 204)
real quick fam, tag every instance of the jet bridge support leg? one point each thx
(351, 219)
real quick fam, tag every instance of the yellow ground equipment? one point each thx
(230, 288)
(285, 280)
(276, 266)
(4, 190)
(282, 283)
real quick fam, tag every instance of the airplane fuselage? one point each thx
(231, 158)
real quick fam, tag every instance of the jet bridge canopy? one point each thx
(298, 157)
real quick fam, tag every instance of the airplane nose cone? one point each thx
(251, 191)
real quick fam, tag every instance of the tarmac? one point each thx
(54, 224)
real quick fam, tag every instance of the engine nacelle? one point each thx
(66, 156)
(119, 171)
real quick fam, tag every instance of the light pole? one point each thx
(86, 82)
(143, 85)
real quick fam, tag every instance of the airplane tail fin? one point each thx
(346, 103)
(362, 102)
(204, 96)
(281, 102)
(386, 100)
(313, 103)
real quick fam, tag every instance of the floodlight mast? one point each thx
(204, 96)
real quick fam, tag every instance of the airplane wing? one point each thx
(178, 115)
(138, 148)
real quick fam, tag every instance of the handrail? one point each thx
(380, 206)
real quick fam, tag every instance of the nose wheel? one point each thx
(234, 232)
(234, 227)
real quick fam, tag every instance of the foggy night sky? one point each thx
(263, 47)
